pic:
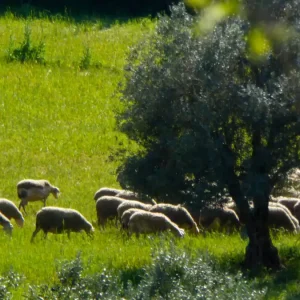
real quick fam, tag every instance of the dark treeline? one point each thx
(117, 7)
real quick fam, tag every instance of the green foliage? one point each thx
(10, 280)
(27, 52)
(173, 274)
(206, 115)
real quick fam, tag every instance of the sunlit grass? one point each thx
(57, 123)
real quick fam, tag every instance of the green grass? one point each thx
(57, 123)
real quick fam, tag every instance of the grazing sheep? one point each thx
(57, 220)
(5, 223)
(126, 216)
(297, 211)
(106, 207)
(279, 218)
(177, 214)
(105, 191)
(289, 203)
(225, 217)
(35, 190)
(287, 211)
(10, 211)
(146, 222)
(132, 204)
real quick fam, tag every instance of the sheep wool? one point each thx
(106, 208)
(105, 191)
(287, 211)
(5, 223)
(10, 211)
(59, 220)
(132, 204)
(225, 217)
(177, 214)
(279, 218)
(126, 216)
(147, 222)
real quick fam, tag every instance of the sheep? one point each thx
(10, 211)
(105, 191)
(57, 220)
(126, 216)
(289, 203)
(279, 218)
(5, 223)
(225, 217)
(287, 211)
(132, 204)
(35, 190)
(106, 208)
(147, 222)
(177, 214)
(297, 211)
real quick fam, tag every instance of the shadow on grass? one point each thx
(108, 17)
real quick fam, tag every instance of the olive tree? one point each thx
(212, 120)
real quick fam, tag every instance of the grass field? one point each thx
(57, 122)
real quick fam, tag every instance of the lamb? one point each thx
(106, 207)
(132, 204)
(126, 216)
(147, 222)
(177, 214)
(10, 211)
(225, 217)
(35, 190)
(58, 219)
(5, 223)
(105, 191)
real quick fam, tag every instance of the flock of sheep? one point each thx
(136, 214)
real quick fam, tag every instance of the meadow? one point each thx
(57, 123)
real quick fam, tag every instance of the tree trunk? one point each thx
(260, 252)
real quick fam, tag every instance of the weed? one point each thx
(26, 52)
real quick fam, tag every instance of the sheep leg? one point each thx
(34, 234)
(22, 204)
(101, 222)
(44, 201)
(69, 234)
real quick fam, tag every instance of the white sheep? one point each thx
(58, 219)
(35, 190)
(5, 223)
(126, 216)
(279, 218)
(224, 216)
(106, 208)
(287, 211)
(147, 222)
(10, 211)
(177, 214)
(132, 204)
(105, 191)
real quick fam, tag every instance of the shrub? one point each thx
(172, 275)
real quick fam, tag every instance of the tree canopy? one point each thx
(215, 112)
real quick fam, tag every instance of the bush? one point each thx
(172, 275)
(10, 280)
